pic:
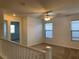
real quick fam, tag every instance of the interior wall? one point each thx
(62, 33)
(1, 30)
(24, 31)
(30, 29)
(34, 30)
(10, 18)
(1, 25)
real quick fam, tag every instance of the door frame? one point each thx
(19, 30)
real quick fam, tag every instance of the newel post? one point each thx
(49, 54)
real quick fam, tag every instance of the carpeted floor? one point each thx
(1, 57)
(42, 46)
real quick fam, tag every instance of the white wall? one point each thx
(1, 30)
(1, 24)
(24, 32)
(30, 29)
(10, 18)
(34, 30)
(62, 34)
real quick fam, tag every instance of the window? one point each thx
(75, 30)
(12, 28)
(48, 27)
(5, 29)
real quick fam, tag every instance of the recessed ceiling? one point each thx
(41, 6)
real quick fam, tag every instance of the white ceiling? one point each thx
(22, 6)
(41, 6)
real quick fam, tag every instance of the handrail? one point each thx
(12, 50)
(38, 50)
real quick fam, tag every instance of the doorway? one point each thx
(15, 31)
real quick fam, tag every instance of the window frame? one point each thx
(12, 29)
(48, 30)
(5, 33)
(73, 31)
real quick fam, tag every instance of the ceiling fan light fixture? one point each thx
(47, 18)
(14, 14)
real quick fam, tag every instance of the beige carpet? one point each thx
(41, 46)
(1, 57)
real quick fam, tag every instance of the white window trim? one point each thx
(74, 38)
(48, 30)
